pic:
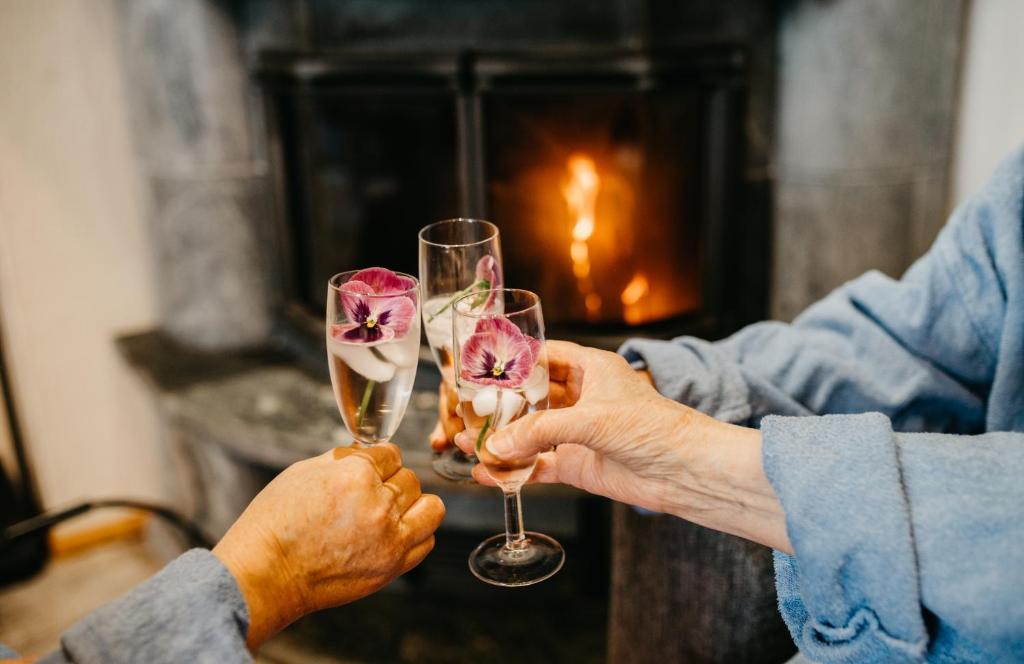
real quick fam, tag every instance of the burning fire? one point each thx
(632, 294)
(580, 193)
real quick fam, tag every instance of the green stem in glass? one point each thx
(365, 402)
(482, 284)
(483, 433)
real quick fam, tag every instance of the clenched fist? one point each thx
(325, 532)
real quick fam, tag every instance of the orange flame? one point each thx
(580, 192)
(635, 290)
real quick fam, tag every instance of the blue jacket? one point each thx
(892, 415)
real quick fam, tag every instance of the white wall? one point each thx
(74, 262)
(991, 121)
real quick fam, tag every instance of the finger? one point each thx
(416, 554)
(542, 430)
(560, 396)
(406, 487)
(451, 398)
(466, 441)
(385, 458)
(452, 425)
(438, 438)
(423, 518)
(546, 470)
(481, 476)
(564, 359)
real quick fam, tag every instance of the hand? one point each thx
(449, 422)
(325, 532)
(615, 436)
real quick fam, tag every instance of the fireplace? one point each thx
(622, 148)
(614, 176)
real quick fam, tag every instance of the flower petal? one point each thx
(396, 313)
(482, 352)
(357, 333)
(352, 300)
(488, 269)
(476, 356)
(498, 325)
(383, 281)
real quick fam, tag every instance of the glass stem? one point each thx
(515, 538)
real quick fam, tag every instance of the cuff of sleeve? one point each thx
(192, 610)
(851, 591)
(691, 371)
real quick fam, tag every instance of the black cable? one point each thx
(47, 520)
(23, 481)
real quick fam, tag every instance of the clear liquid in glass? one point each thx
(438, 326)
(372, 383)
(489, 409)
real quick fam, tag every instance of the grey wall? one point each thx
(866, 112)
(200, 142)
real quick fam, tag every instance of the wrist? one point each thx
(272, 598)
(725, 486)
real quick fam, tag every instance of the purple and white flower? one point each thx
(498, 353)
(377, 305)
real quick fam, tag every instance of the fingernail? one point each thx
(500, 444)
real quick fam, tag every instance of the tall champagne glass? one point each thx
(457, 256)
(373, 339)
(501, 370)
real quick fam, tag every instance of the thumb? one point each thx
(537, 432)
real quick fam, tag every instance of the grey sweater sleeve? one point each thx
(191, 611)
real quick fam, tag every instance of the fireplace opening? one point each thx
(613, 176)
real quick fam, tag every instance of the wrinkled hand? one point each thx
(610, 433)
(327, 531)
(449, 422)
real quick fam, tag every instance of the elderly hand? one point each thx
(610, 433)
(325, 532)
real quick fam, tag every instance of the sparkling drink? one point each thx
(437, 316)
(490, 409)
(501, 371)
(372, 385)
(457, 257)
(373, 335)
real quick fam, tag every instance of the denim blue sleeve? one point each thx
(887, 523)
(192, 611)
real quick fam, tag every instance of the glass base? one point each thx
(540, 559)
(453, 465)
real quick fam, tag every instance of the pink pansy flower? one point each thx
(498, 353)
(373, 318)
(488, 270)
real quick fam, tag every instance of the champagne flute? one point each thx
(457, 256)
(501, 370)
(373, 339)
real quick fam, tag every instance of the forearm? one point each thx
(191, 610)
(726, 487)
